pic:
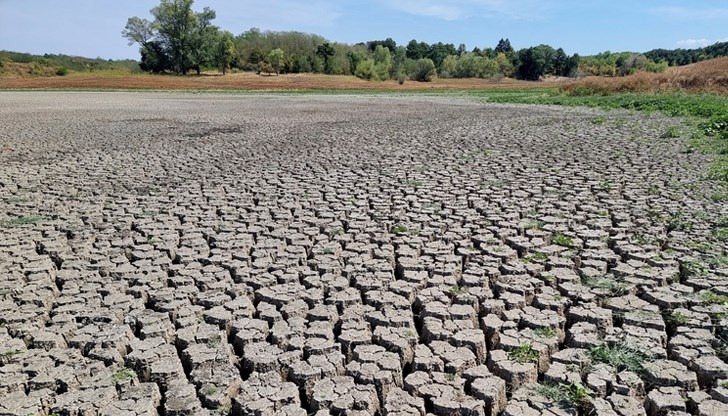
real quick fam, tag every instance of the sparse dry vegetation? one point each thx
(710, 76)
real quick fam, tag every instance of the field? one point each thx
(255, 254)
(248, 81)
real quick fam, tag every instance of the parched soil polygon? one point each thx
(196, 254)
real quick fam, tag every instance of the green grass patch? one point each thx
(545, 332)
(565, 395)
(562, 240)
(524, 354)
(709, 297)
(621, 357)
(25, 220)
(124, 374)
(400, 229)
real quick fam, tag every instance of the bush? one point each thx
(365, 70)
(62, 71)
(424, 70)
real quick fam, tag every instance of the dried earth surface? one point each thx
(198, 254)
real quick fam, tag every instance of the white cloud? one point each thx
(463, 9)
(687, 13)
(697, 43)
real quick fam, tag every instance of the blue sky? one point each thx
(93, 27)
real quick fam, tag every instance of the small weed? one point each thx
(400, 229)
(524, 354)
(10, 353)
(693, 268)
(413, 184)
(124, 374)
(678, 222)
(673, 132)
(599, 120)
(535, 225)
(563, 240)
(710, 297)
(620, 356)
(487, 152)
(605, 186)
(410, 333)
(214, 341)
(209, 390)
(328, 250)
(30, 219)
(677, 318)
(452, 376)
(719, 197)
(612, 286)
(545, 332)
(14, 200)
(536, 257)
(457, 290)
(653, 189)
(565, 395)
(724, 384)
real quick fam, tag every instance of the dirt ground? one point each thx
(197, 254)
(250, 81)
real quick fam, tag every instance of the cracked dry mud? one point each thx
(195, 254)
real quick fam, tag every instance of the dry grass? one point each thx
(709, 76)
(250, 81)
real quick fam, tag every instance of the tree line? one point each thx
(179, 40)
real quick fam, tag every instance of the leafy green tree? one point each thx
(388, 43)
(382, 63)
(505, 67)
(203, 39)
(417, 50)
(423, 70)
(504, 46)
(186, 38)
(439, 51)
(154, 58)
(224, 52)
(276, 59)
(326, 52)
(536, 62)
(449, 67)
(365, 69)
(176, 22)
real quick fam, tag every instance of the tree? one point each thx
(505, 67)
(423, 70)
(224, 51)
(388, 43)
(535, 62)
(203, 39)
(276, 59)
(154, 58)
(560, 63)
(417, 50)
(383, 63)
(138, 30)
(326, 51)
(175, 23)
(186, 38)
(504, 46)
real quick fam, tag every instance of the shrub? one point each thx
(365, 69)
(62, 71)
(424, 70)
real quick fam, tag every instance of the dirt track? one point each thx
(186, 254)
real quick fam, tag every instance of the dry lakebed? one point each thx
(301, 254)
